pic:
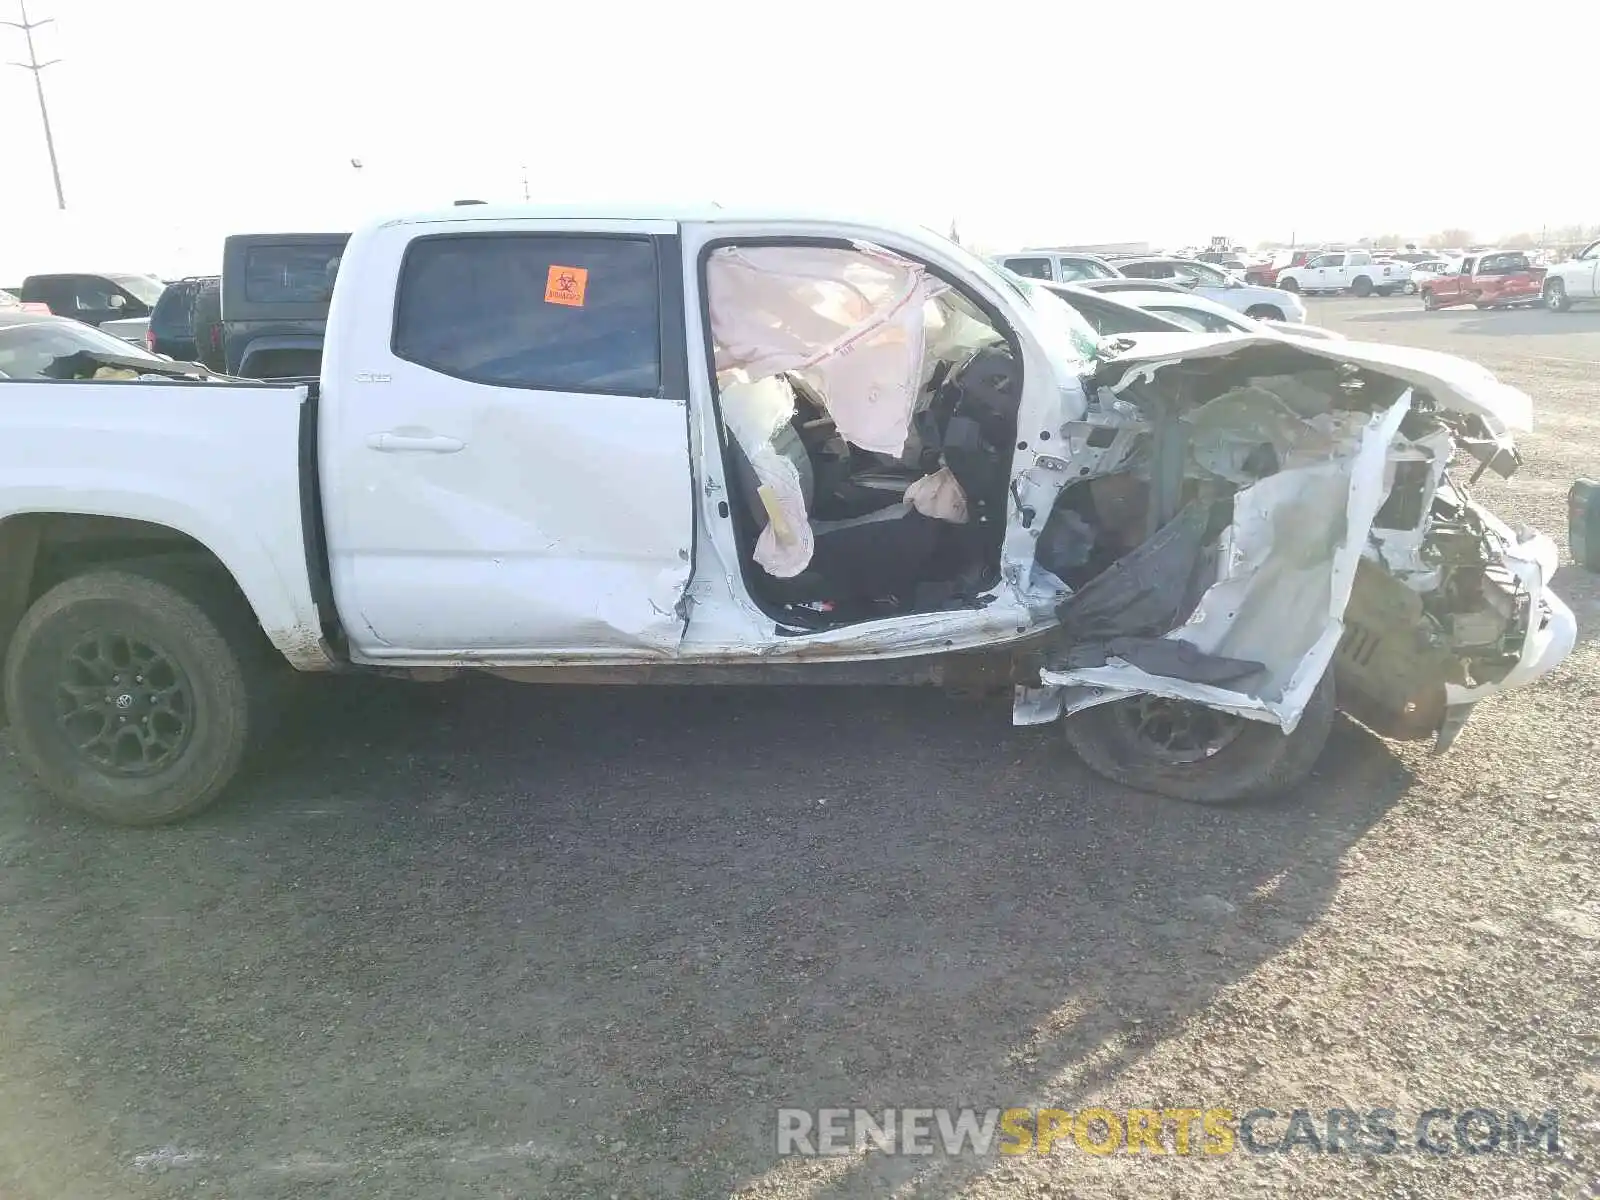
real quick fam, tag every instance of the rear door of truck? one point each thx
(505, 441)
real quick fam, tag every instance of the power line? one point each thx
(33, 64)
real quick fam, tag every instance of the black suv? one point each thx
(276, 288)
(171, 330)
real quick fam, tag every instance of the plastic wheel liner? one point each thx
(1264, 467)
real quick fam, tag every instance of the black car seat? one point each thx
(882, 554)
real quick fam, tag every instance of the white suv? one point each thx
(1262, 303)
(1057, 266)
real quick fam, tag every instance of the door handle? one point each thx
(427, 443)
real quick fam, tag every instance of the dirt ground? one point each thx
(488, 941)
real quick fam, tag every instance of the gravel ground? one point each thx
(491, 941)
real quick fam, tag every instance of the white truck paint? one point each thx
(1575, 281)
(1346, 271)
(542, 532)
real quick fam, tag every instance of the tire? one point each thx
(1386, 291)
(1555, 296)
(1362, 286)
(1428, 301)
(1260, 761)
(1411, 289)
(1264, 312)
(1289, 285)
(194, 657)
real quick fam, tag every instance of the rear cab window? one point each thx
(290, 274)
(544, 311)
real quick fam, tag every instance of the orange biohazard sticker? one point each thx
(566, 285)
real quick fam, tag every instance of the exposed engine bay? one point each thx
(1214, 519)
(1246, 515)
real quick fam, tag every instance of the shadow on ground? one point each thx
(490, 940)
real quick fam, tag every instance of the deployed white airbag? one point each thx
(851, 320)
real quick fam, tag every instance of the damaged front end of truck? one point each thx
(1248, 532)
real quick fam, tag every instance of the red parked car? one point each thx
(1494, 279)
(1266, 274)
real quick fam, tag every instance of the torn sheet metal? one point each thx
(1532, 558)
(1284, 571)
(852, 321)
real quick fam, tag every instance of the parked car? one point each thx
(1207, 316)
(1574, 281)
(1500, 279)
(275, 292)
(1265, 274)
(205, 318)
(1216, 284)
(37, 345)
(1425, 271)
(1353, 270)
(1108, 316)
(568, 446)
(1168, 310)
(1060, 266)
(94, 298)
(1114, 286)
(171, 328)
(11, 302)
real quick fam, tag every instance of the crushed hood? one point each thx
(1456, 384)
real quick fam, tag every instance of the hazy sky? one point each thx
(178, 121)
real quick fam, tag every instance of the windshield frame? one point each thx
(1067, 324)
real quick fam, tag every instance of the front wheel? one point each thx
(1264, 312)
(135, 699)
(1194, 753)
(1362, 286)
(1429, 301)
(1411, 289)
(1555, 296)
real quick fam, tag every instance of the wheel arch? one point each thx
(39, 549)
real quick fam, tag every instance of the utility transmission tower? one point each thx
(33, 64)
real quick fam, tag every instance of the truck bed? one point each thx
(218, 463)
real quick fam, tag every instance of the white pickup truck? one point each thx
(1353, 271)
(1574, 281)
(705, 448)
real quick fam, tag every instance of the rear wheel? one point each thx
(1194, 753)
(1289, 285)
(1428, 300)
(1555, 296)
(1362, 286)
(135, 698)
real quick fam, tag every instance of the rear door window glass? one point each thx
(553, 312)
